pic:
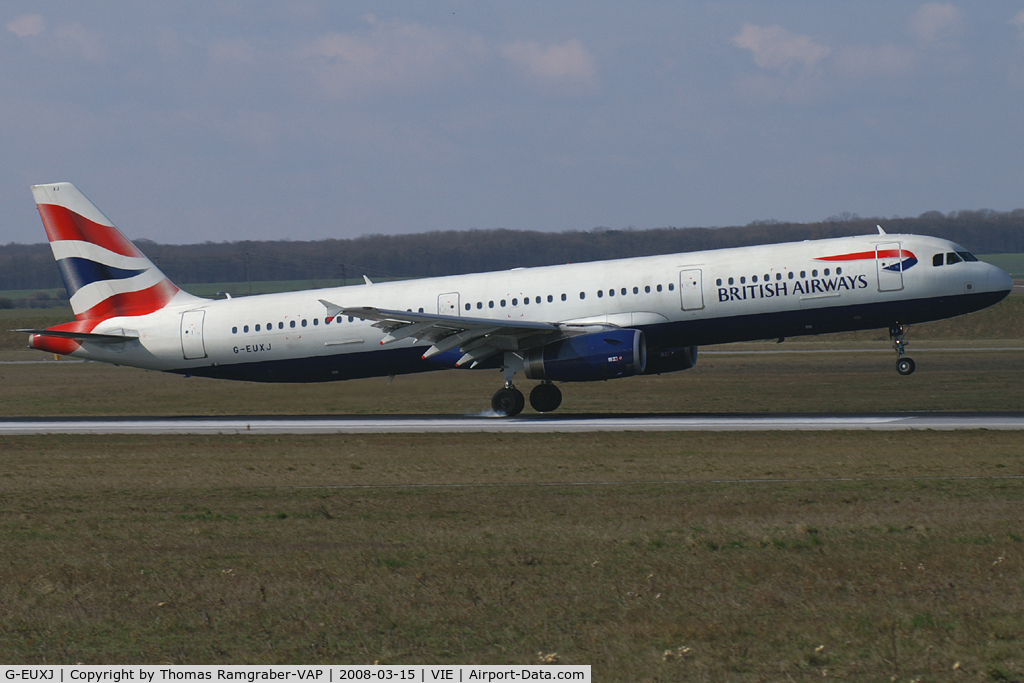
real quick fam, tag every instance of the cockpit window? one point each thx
(937, 260)
(952, 257)
(967, 256)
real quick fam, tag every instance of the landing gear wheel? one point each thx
(905, 366)
(545, 397)
(508, 402)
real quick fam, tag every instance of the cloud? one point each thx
(555, 64)
(935, 22)
(27, 25)
(82, 41)
(1018, 21)
(392, 57)
(869, 61)
(773, 47)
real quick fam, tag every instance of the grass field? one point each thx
(743, 557)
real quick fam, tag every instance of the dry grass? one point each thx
(210, 549)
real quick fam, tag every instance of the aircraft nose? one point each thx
(999, 280)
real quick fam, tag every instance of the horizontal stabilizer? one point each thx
(84, 336)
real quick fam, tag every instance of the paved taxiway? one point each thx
(525, 424)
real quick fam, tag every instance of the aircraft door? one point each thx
(890, 266)
(448, 304)
(192, 346)
(691, 289)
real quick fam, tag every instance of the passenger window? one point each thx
(550, 298)
(515, 302)
(659, 288)
(647, 289)
(327, 321)
(814, 273)
(303, 322)
(826, 272)
(245, 328)
(526, 300)
(803, 273)
(350, 318)
(636, 290)
(767, 278)
(537, 300)
(623, 291)
(731, 281)
(600, 293)
(257, 328)
(937, 260)
(753, 279)
(778, 276)
(952, 257)
(718, 282)
(479, 304)
(791, 275)
(839, 271)
(490, 304)
(292, 324)
(671, 287)
(503, 303)
(563, 297)
(280, 326)
(743, 281)
(611, 292)
(234, 330)
(469, 306)
(583, 295)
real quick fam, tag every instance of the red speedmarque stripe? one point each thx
(62, 223)
(859, 256)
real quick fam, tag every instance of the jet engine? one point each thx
(589, 357)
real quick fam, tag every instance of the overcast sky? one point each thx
(204, 120)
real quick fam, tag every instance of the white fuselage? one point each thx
(678, 300)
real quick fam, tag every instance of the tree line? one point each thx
(331, 261)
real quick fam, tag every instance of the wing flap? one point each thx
(477, 338)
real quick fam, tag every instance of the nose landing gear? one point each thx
(904, 365)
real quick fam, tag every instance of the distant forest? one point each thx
(31, 267)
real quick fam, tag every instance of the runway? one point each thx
(533, 424)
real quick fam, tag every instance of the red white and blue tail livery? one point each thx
(570, 323)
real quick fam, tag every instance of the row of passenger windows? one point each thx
(292, 324)
(778, 276)
(953, 257)
(502, 303)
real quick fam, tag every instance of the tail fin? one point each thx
(103, 272)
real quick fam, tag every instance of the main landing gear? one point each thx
(509, 401)
(904, 365)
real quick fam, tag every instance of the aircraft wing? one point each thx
(477, 338)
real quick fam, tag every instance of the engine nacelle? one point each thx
(671, 360)
(589, 357)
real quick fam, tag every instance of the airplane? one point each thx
(578, 322)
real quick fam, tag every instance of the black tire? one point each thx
(545, 397)
(508, 402)
(905, 366)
